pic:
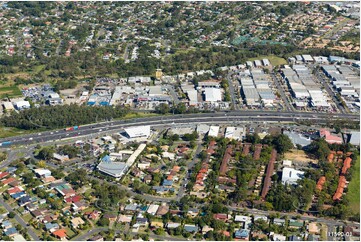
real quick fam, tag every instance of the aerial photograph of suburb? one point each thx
(179, 120)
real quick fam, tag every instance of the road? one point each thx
(190, 166)
(231, 90)
(119, 125)
(327, 87)
(20, 220)
(281, 91)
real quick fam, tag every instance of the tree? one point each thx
(11, 214)
(162, 108)
(46, 153)
(282, 143)
(103, 222)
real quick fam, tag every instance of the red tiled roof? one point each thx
(320, 183)
(269, 172)
(61, 233)
(7, 181)
(3, 174)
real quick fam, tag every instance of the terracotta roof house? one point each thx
(61, 234)
(320, 183)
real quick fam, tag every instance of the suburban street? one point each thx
(20, 220)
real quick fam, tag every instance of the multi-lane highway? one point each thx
(232, 116)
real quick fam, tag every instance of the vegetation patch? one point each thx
(275, 60)
(353, 193)
(12, 91)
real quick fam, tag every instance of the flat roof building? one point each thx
(213, 131)
(291, 176)
(212, 95)
(138, 132)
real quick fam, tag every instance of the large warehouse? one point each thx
(138, 132)
(212, 95)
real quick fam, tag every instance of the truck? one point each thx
(72, 128)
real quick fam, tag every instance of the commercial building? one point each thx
(115, 169)
(212, 95)
(291, 176)
(138, 132)
(236, 133)
(213, 131)
(22, 105)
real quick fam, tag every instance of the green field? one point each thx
(275, 60)
(353, 193)
(12, 91)
(8, 132)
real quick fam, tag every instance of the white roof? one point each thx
(8, 105)
(202, 128)
(287, 163)
(234, 133)
(153, 208)
(213, 94)
(192, 96)
(213, 131)
(41, 172)
(134, 156)
(290, 175)
(139, 131)
(241, 218)
(22, 104)
(307, 57)
(355, 138)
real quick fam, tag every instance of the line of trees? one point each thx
(61, 116)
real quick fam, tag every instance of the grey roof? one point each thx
(115, 169)
(297, 138)
(355, 138)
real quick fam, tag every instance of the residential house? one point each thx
(75, 222)
(156, 224)
(125, 218)
(242, 234)
(162, 210)
(172, 225)
(279, 221)
(51, 227)
(221, 216)
(193, 212)
(191, 228)
(11, 232)
(111, 217)
(60, 234)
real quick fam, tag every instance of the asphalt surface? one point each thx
(118, 125)
(20, 220)
(282, 92)
(231, 90)
(327, 87)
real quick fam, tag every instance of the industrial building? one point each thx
(213, 131)
(212, 95)
(138, 132)
(22, 105)
(236, 133)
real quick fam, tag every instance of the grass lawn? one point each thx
(70, 233)
(27, 217)
(353, 193)
(11, 91)
(8, 132)
(275, 60)
(139, 115)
